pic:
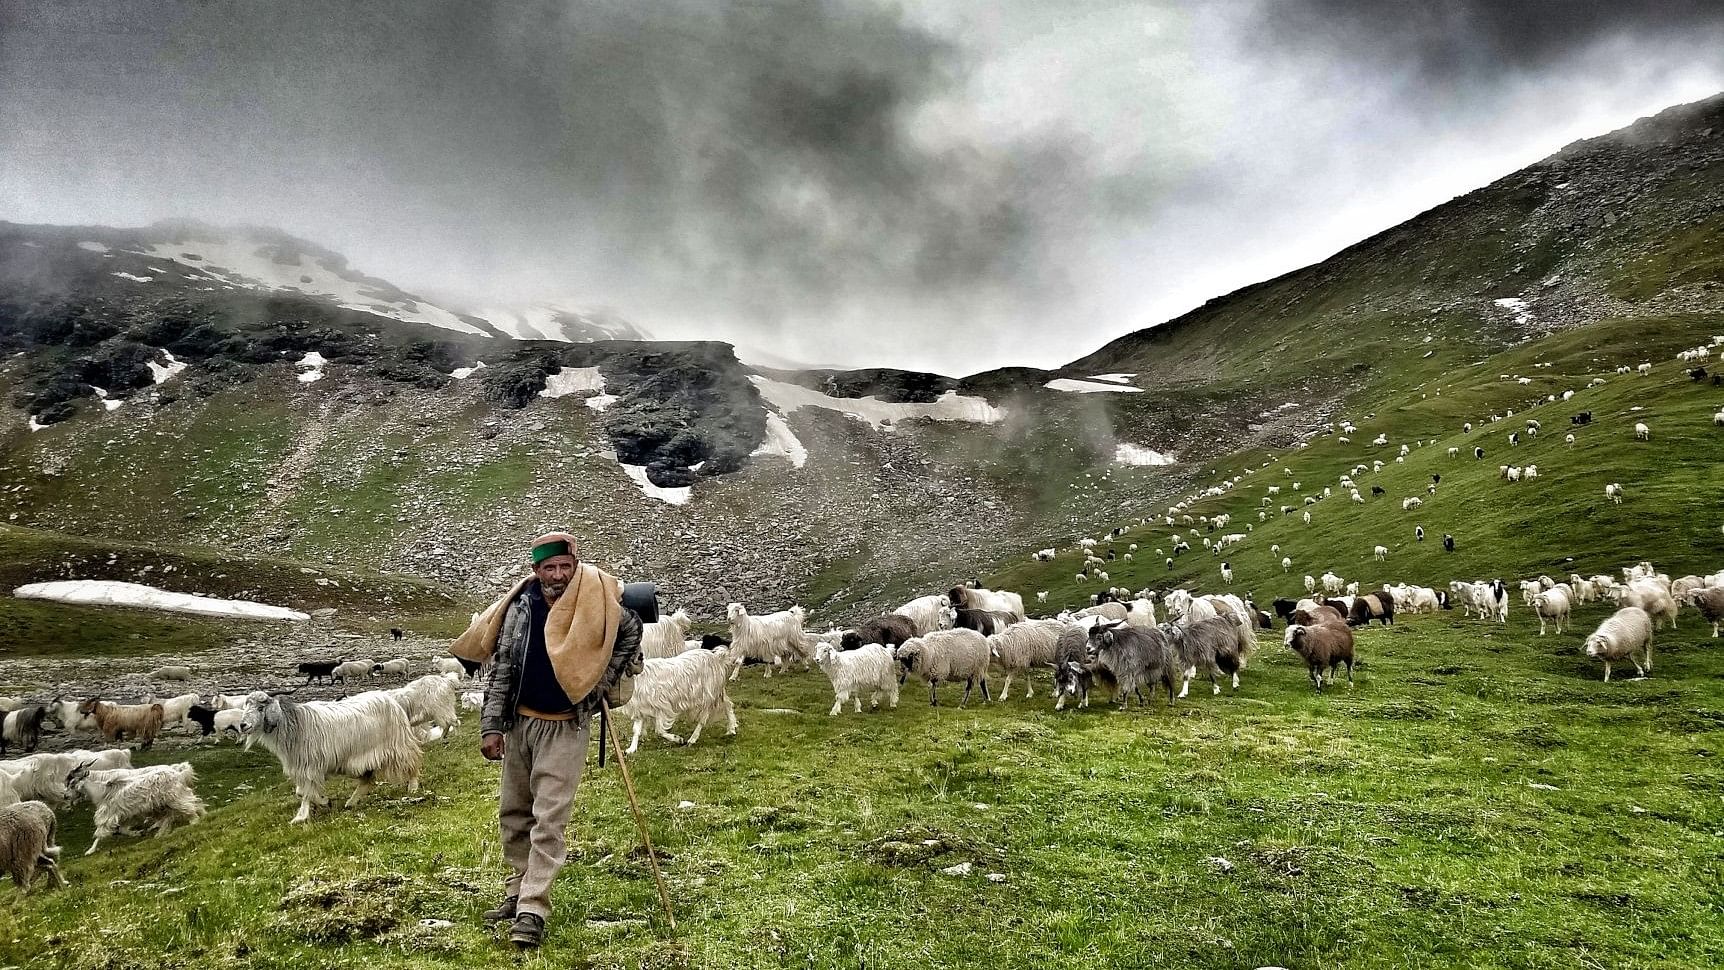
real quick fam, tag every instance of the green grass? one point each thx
(34, 628)
(1394, 824)
(1558, 524)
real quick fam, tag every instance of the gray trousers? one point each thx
(542, 762)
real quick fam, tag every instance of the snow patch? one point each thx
(91, 246)
(112, 404)
(780, 440)
(572, 380)
(1114, 378)
(313, 363)
(161, 372)
(135, 279)
(951, 406)
(462, 373)
(598, 402)
(96, 592)
(670, 496)
(1129, 454)
(259, 266)
(1516, 306)
(1073, 386)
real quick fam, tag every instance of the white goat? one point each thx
(366, 737)
(775, 638)
(870, 669)
(159, 794)
(690, 684)
(665, 638)
(430, 705)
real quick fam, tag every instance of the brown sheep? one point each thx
(27, 843)
(1322, 614)
(1326, 645)
(1710, 602)
(115, 721)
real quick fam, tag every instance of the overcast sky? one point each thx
(946, 185)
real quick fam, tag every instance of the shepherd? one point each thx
(557, 647)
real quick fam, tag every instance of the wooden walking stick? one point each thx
(640, 820)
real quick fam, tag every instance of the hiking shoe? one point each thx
(505, 910)
(529, 931)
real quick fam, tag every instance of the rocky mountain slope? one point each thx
(263, 397)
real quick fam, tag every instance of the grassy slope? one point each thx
(1558, 523)
(1393, 824)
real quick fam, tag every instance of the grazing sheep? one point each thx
(889, 630)
(1718, 419)
(1642, 432)
(773, 639)
(429, 703)
(994, 601)
(691, 684)
(1626, 631)
(366, 737)
(1324, 646)
(1286, 563)
(948, 655)
(1381, 552)
(115, 721)
(352, 669)
(1023, 647)
(1310, 584)
(1132, 658)
(1710, 602)
(1553, 605)
(867, 669)
(1613, 491)
(175, 673)
(318, 669)
(665, 638)
(1568, 439)
(22, 727)
(1213, 648)
(1479, 454)
(1649, 595)
(392, 668)
(1371, 606)
(451, 666)
(158, 794)
(27, 844)
(1332, 583)
(1411, 502)
(1644, 369)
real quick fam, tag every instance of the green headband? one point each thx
(546, 550)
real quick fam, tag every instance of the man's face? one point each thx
(554, 575)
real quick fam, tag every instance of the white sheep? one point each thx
(175, 673)
(691, 684)
(992, 601)
(430, 705)
(948, 655)
(775, 638)
(392, 668)
(1718, 418)
(1613, 491)
(1626, 631)
(1644, 369)
(351, 670)
(665, 638)
(869, 669)
(27, 844)
(1332, 583)
(174, 709)
(1286, 563)
(1024, 647)
(1650, 595)
(1411, 502)
(366, 737)
(442, 665)
(1381, 552)
(1642, 432)
(1307, 518)
(1310, 584)
(1553, 605)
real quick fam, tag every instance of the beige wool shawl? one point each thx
(580, 631)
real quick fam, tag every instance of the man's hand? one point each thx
(492, 747)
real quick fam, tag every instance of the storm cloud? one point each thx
(836, 181)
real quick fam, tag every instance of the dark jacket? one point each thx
(503, 673)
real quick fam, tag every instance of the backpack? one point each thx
(642, 599)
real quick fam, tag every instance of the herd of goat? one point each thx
(1116, 646)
